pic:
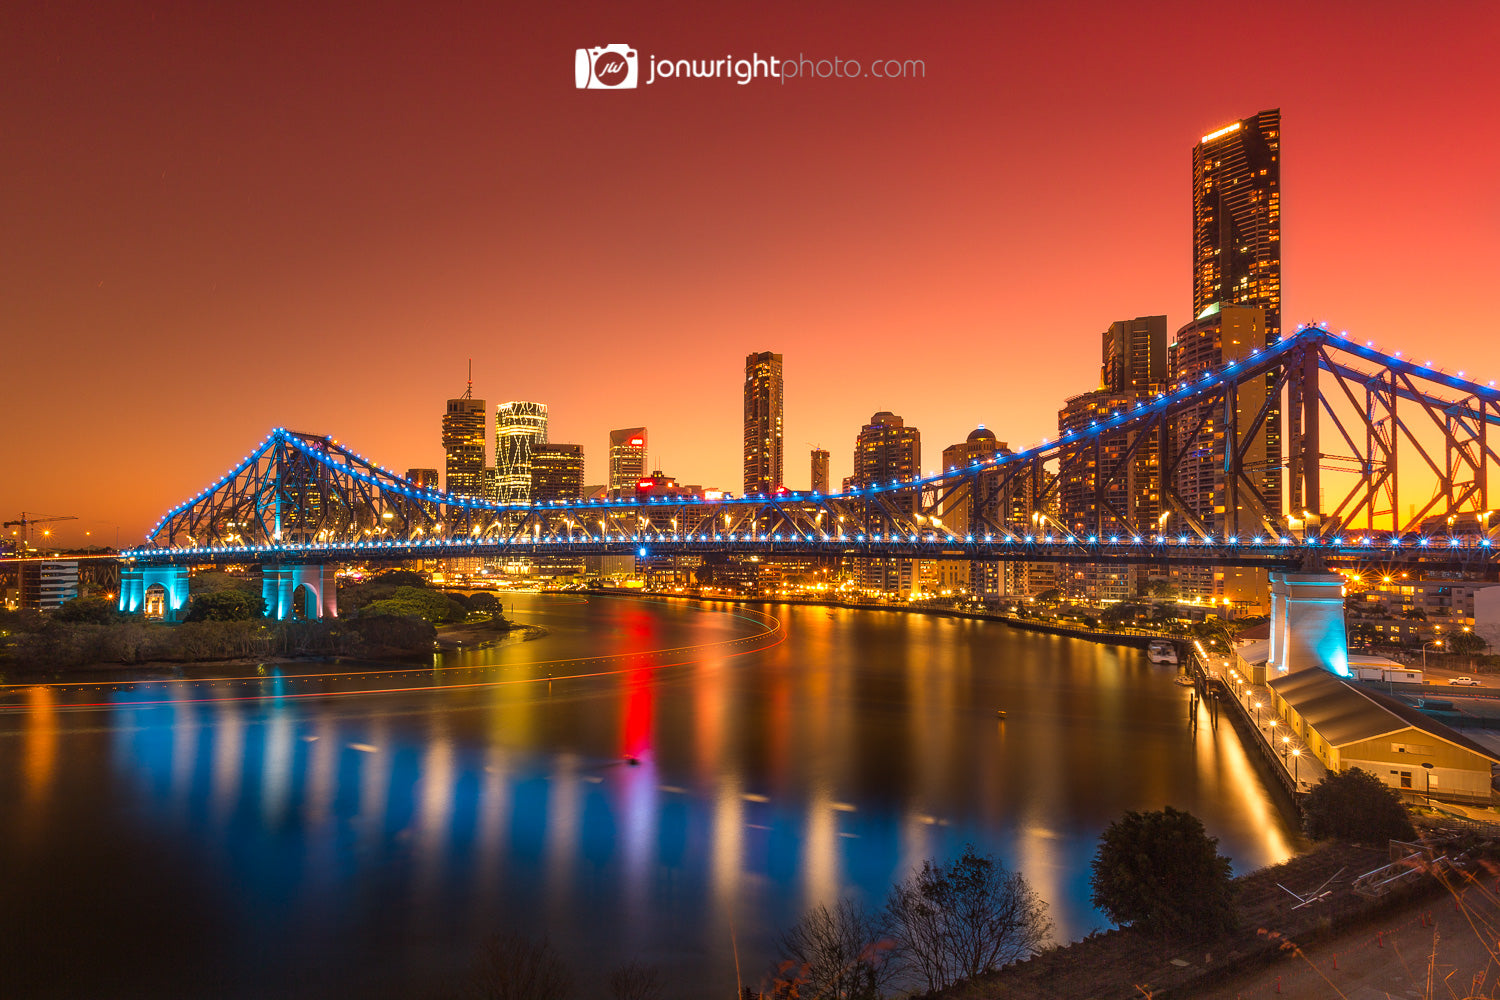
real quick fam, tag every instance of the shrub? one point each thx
(1355, 805)
(1162, 871)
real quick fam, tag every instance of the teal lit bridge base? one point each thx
(290, 590)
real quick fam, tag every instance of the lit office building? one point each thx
(763, 454)
(1223, 506)
(463, 444)
(888, 450)
(426, 479)
(557, 473)
(520, 427)
(627, 460)
(973, 509)
(1237, 238)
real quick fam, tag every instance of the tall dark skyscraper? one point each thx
(763, 456)
(463, 444)
(820, 470)
(1237, 241)
(1135, 355)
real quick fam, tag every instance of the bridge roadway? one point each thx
(1458, 552)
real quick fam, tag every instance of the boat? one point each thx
(1184, 680)
(1162, 651)
(1000, 713)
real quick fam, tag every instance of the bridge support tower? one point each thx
(1307, 624)
(281, 583)
(138, 594)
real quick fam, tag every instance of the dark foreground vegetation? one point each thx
(390, 614)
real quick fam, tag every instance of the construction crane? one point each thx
(29, 518)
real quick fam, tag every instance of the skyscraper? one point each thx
(820, 470)
(1223, 506)
(1237, 237)
(463, 444)
(961, 517)
(763, 456)
(627, 460)
(887, 450)
(1135, 355)
(557, 472)
(519, 428)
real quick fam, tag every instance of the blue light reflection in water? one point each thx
(248, 839)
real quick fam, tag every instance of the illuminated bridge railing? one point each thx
(1353, 418)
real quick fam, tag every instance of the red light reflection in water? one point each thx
(635, 729)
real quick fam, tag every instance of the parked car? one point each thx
(1464, 681)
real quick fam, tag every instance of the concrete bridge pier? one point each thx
(281, 586)
(1307, 624)
(154, 589)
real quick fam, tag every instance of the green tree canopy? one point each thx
(226, 606)
(1162, 871)
(1466, 643)
(1355, 805)
(87, 610)
(418, 602)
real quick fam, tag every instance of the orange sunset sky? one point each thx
(221, 218)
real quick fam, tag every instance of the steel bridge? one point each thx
(1364, 432)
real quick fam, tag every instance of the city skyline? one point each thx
(196, 230)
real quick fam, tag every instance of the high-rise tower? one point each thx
(520, 427)
(627, 460)
(463, 443)
(820, 470)
(763, 457)
(1237, 240)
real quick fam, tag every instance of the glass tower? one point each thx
(520, 427)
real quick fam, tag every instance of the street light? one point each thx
(1427, 766)
(1432, 642)
(1296, 771)
(1286, 745)
(1256, 705)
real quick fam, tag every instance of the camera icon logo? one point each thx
(606, 67)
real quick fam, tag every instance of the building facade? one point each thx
(886, 451)
(820, 470)
(520, 427)
(557, 473)
(763, 431)
(1207, 499)
(463, 445)
(627, 460)
(1237, 235)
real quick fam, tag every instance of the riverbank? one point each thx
(1117, 637)
(1127, 963)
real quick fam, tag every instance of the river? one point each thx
(653, 780)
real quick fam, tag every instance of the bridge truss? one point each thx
(1364, 432)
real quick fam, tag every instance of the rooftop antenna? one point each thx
(469, 392)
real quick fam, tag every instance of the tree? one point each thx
(417, 602)
(1162, 871)
(963, 919)
(484, 602)
(1161, 590)
(837, 954)
(211, 581)
(226, 606)
(1467, 643)
(1354, 805)
(512, 967)
(633, 981)
(87, 611)
(1414, 614)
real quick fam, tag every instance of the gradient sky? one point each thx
(220, 218)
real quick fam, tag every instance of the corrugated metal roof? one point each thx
(1344, 713)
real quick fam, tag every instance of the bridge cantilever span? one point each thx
(306, 498)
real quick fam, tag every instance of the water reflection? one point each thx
(650, 781)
